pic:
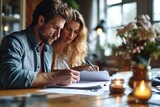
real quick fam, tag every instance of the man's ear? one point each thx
(41, 20)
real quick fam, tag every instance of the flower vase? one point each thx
(140, 72)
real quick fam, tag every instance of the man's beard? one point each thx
(44, 38)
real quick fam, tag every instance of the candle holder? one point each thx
(142, 91)
(117, 86)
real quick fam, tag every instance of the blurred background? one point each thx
(102, 18)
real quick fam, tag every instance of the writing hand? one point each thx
(66, 77)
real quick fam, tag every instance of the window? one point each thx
(111, 2)
(156, 13)
(118, 14)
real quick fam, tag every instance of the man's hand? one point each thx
(66, 77)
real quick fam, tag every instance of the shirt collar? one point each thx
(32, 38)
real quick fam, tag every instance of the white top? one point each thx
(60, 63)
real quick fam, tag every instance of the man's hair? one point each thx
(50, 8)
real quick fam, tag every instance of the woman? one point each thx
(72, 45)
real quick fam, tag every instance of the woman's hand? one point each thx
(87, 68)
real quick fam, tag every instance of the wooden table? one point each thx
(24, 99)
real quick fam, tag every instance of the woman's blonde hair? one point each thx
(77, 50)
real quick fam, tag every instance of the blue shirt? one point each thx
(20, 59)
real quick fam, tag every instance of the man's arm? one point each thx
(12, 74)
(58, 77)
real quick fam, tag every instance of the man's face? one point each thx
(50, 31)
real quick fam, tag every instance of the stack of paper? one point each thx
(94, 76)
(91, 83)
(81, 85)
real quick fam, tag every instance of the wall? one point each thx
(85, 8)
(30, 6)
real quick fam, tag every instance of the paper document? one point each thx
(94, 76)
(88, 80)
(82, 91)
(81, 88)
(155, 90)
(73, 91)
(81, 85)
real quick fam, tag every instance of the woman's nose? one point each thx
(72, 34)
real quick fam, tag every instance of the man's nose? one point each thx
(58, 33)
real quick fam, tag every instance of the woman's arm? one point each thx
(86, 67)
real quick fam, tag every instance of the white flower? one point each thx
(132, 25)
(139, 38)
(144, 21)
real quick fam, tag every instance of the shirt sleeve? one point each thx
(12, 74)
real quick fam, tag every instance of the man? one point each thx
(26, 56)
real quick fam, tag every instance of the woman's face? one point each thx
(70, 31)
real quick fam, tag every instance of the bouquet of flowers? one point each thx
(140, 40)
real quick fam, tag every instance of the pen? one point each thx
(91, 64)
(66, 64)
